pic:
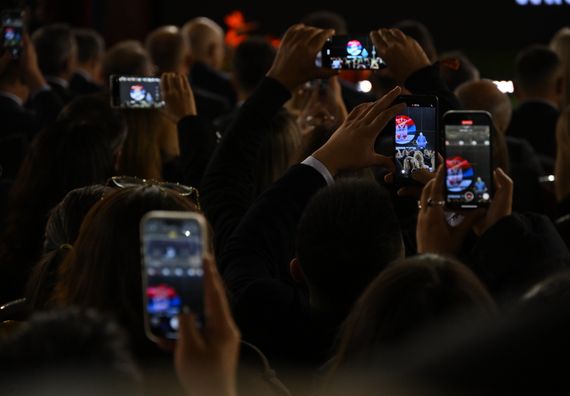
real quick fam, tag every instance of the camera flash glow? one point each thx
(364, 86)
(187, 233)
(506, 87)
(551, 178)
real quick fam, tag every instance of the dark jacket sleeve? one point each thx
(428, 81)
(228, 186)
(197, 141)
(46, 104)
(517, 252)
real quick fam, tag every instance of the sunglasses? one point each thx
(180, 189)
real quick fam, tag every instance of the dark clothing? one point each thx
(64, 94)
(204, 77)
(563, 220)
(525, 170)
(535, 121)
(80, 85)
(210, 105)
(516, 253)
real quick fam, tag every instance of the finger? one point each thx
(379, 124)
(422, 175)
(470, 218)
(439, 159)
(358, 111)
(409, 192)
(438, 193)
(389, 177)
(502, 180)
(292, 32)
(317, 41)
(378, 41)
(386, 162)
(165, 82)
(398, 34)
(218, 309)
(189, 337)
(426, 193)
(381, 104)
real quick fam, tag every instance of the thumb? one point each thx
(386, 162)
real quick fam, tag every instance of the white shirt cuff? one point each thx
(319, 167)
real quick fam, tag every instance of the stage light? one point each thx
(364, 86)
(505, 86)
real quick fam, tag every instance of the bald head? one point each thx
(168, 50)
(484, 95)
(206, 41)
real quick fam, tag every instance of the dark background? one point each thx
(490, 32)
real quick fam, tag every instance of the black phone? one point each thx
(350, 52)
(415, 136)
(468, 159)
(172, 250)
(13, 32)
(132, 92)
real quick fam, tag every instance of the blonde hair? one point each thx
(562, 166)
(560, 44)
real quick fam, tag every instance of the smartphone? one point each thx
(350, 52)
(468, 159)
(12, 32)
(172, 250)
(415, 136)
(130, 92)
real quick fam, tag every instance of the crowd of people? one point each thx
(322, 275)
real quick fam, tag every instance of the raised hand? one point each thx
(178, 96)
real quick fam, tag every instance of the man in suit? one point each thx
(205, 39)
(538, 89)
(57, 57)
(169, 53)
(90, 51)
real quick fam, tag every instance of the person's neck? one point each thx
(85, 71)
(62, 80)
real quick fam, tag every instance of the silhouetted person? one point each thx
(456, 69)
(90, 50)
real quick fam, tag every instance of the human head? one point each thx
(56, 50)
(562, 165)
(405, 299)
(348, 234)
(168, 50)
(560, 44)
(68, 352)
(127, 58)
(90, 51)
(326, 20)
(538, 74)
(484, 95)
(419, 32)
(206, 41)
(461, 72)
(11, 80)
(103, 270)
(251, 61)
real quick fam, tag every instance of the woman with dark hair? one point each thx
(405, 299)
(102, 270)
(78, 150)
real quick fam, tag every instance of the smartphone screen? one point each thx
(355, 52)
(12, 32)
(172, 254)
(468, 159)
(415, 135)
(136, 92)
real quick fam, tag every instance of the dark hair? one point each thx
(127, 58)
(535, 66)
(90, 44)
(419, 32)
(403, 300)
(61, 231)
(251, 61)
(54, 44)
(102, 271)
(74, 152)
(348, 233)
(61, 350)
(463, 72)
(166, 48)
(326, 19)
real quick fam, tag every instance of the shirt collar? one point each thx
(12, 97)
(57, 80)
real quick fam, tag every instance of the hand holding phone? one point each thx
(132, 92)
(12, 32)
(172, 250)
(350, 52)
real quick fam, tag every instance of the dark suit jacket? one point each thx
(210, 105)
(79, 85)
(536, 122)
(64, 94)
(563, 220)
(204, 77)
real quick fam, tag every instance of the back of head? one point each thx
(459, 70)
(419, 32)
(560, 44)
(90, 45)
(167, 49)
(251, 61)
(348, 234)
(562, 167)
(127, 58)
(537, 69)
(406, 299)
(102, 270)
(326, 20)
(68, 352)
(205, 39)
(56, 50)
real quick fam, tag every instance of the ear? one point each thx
(296, 271)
